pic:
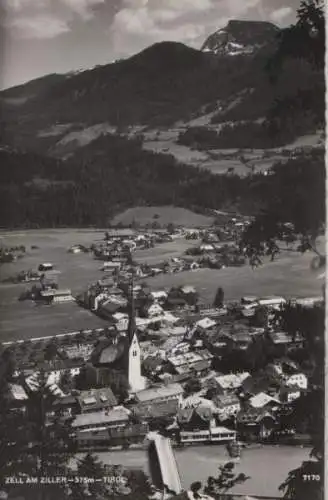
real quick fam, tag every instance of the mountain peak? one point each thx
(240, 37)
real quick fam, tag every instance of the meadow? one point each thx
(289, 276)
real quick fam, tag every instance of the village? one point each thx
(225, 372)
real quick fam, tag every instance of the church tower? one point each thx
(133, 352)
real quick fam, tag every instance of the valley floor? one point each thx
(289, 276)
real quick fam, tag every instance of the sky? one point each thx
(57, 36)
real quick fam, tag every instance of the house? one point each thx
(147, 347)
(241, 340)
(95, 299)
(32, 384)
(160, 296)
(111, 266)
(96, 400)
(66, 406)
(153, 310)
(17, 396)
(297, 379)
(190, 419)
(164, 393)
(287, 372)
(156, 409)
(286, 341)
(195, 401)
(152, 365)
(288, 394)
(262, 400)
(108, 308)
(231, 382)
(196, 362)
(187, 290)
(205, 324)
(56, 296)
(206, 247)
(77, 351)
(227, 406)
(218, 345)
(117, 417)
(175, 302)
(255, 423)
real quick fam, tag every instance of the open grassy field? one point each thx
(290, 275)
(163, 215)
(164, 251)
(24, 319)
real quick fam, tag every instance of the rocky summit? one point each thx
(240, 37)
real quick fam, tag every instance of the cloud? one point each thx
(84, 8)
(46, 18)
(41, 26)
(140, 23)
(280, 14)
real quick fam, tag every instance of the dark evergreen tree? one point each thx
(219, 298)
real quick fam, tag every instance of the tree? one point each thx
(305, 482)
(308, 411)
(219, 298)
(51, 350)
(119, 384)
(193, 385)
(304, 210)
(305, 39)
(89, 467)
(260, 319)
(226, 480)
(300, 216)
(309, 323)
(87, 378)
(36, 443)
(66, 382)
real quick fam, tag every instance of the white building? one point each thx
(297, 379)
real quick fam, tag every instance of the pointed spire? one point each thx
(132, 314)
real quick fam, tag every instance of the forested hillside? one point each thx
(114, 173)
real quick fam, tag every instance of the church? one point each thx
(122, 352)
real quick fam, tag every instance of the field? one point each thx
(163, 215)
(24, 319)
(289, 276)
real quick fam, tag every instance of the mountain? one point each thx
(164, 83)
(241, 38)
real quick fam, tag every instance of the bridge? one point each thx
(162, 464)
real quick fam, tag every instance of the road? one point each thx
(267, 466)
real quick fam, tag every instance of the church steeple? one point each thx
(133, 352)
(132, 313)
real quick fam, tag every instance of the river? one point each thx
(267, 466)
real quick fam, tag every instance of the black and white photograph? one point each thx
(162, 249)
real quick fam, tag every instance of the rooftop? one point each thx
(96, 399)
(229, 399)
(17, 392)
(153, 393)
(190, 358)
(261, 400)
(156, 409)
(56, 293)
(101, 417)
(231, 381)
